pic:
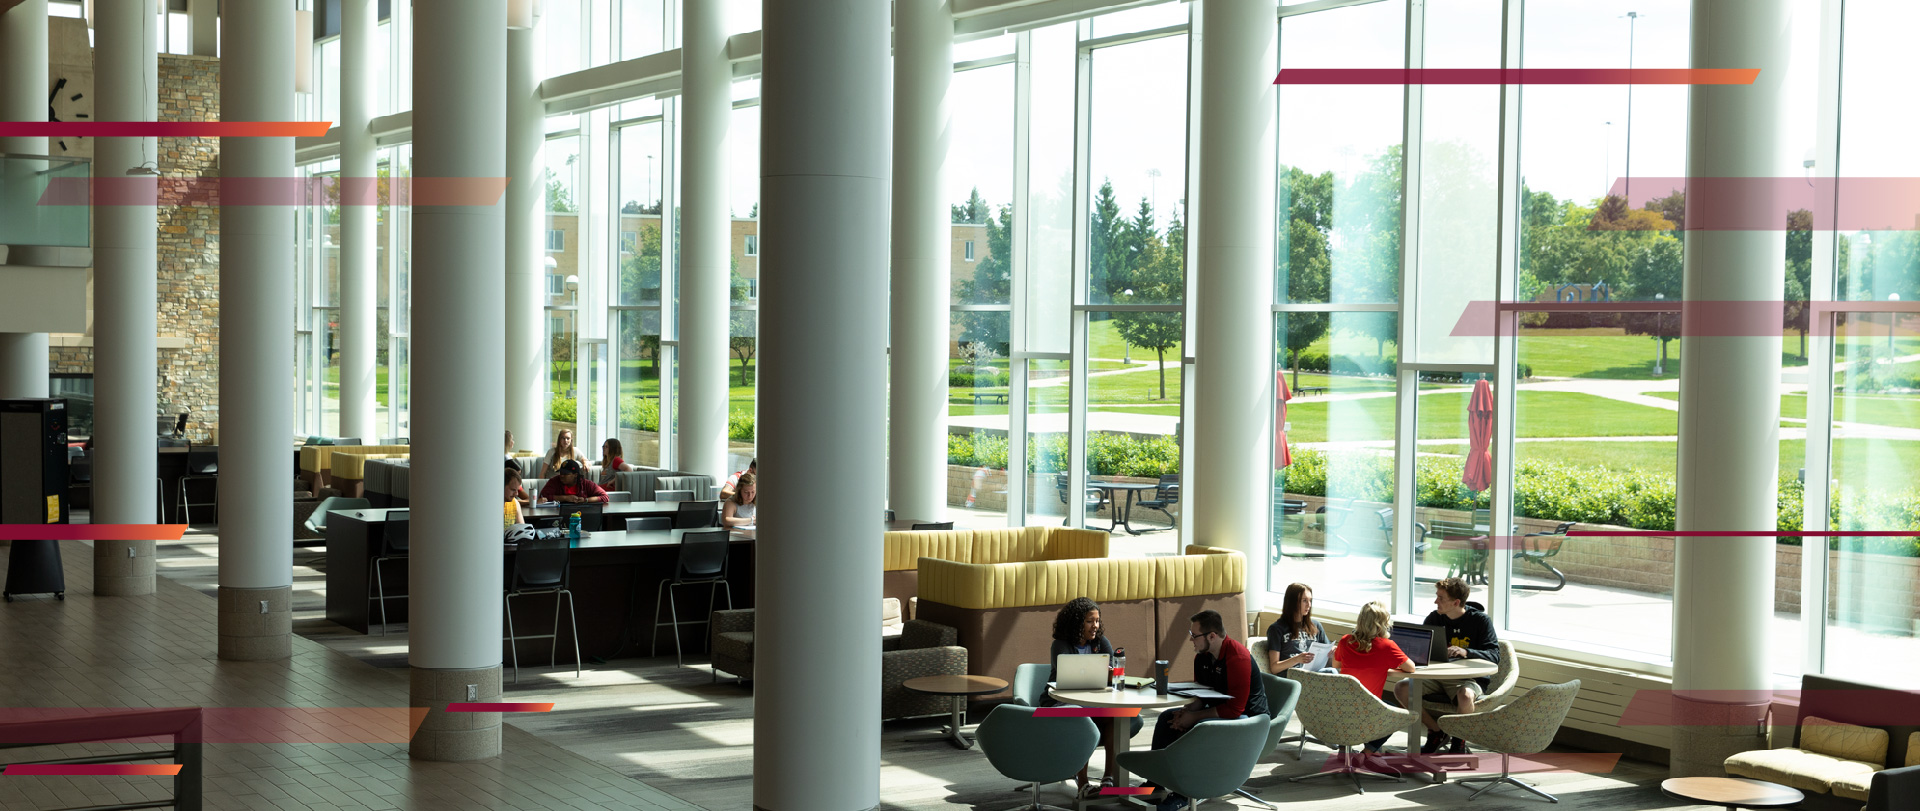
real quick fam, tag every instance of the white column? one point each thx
(203, 18)
(1723, 587)
(359, 245)
(706, 226)
(526, 386)
(125, 266)
(922, 253)
(460, 114)
(823, 193)
(1231, 485)
(23, 97)
(256, 293)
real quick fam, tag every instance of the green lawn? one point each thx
(332, 383)
(1895, 410)
(1103, 341)
(1542, 414)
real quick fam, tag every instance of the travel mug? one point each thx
(1160, 676)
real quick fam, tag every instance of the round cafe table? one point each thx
(1732, 792)
(960, 687)
(1143, 698)
(1445, 671)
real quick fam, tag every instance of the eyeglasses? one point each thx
(1192, 635)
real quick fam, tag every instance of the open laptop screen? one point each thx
(1416, 641)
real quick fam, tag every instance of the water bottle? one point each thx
(1119, 668)
(573, 529)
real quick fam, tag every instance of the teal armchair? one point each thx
(1212, 760)
(1282, 695)
(1035, 750)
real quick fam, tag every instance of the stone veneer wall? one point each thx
(189, 255)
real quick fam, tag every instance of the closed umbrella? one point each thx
(1479, 472)
(1281, 455)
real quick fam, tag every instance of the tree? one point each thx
(640, 283)
(559, 200)
(992, 283)
(1657, 271)
(1797, 314)
(634, 207)
(1304, 248)
(1158, 278)
(974, 211)
(1672, 208)
(743, 325)
(1101, 245)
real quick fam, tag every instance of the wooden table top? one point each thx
(955, 685)
(1143, 697)
(1732, 791)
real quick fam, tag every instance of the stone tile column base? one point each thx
(256, 624)
(455, 736)
(123, 568)
(1706, 733)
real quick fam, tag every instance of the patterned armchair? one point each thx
(732, 643)
(1499, 691)
(1524, 727)
(925, 649)
(1335, 709)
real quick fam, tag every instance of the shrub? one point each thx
(740, 426)
(560, 409)
(1107, 454)
(968, 378)
(639, 413)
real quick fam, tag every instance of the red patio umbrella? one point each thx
(1479, 472)
(1281, 455)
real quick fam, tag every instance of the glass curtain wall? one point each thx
(980, 185)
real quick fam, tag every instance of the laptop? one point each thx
(1082, 671)
(1424, 644)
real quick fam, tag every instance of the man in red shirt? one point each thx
(572, 488)
(1222, 665)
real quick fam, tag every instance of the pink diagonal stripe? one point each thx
(1118, 790)
(1086, 712)
(164, 129)
(1520, 76)
(500, 706)
(273, 191)
(39, 726)
(1785, 708)
(92, 532)
(1762, 203)
(1716, 319)
(91, 769)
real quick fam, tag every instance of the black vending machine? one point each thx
(33, 490)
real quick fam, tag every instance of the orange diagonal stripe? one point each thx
(92, 532)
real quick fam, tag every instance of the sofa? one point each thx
(908, 650)
(316, 461)
(1004, 611)
(1840, 738)
(900, 569)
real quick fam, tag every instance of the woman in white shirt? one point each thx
(739, 510)
(561, 451)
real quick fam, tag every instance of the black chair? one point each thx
(393, 546)
(890, 518)
(943, 525)
(1166, 495)
(697, 515)
(1538, 552)
(1333, 526)
(703, 559)
(642, 524)
(543, 566)
(1420, 545)
(591, 515)
(1093, 498)
(203, 465)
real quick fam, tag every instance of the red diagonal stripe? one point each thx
(163, 129)
(1510, 76)
(92, 532)
(91, 769)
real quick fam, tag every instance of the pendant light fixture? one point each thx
(303, 50)
(523, 13)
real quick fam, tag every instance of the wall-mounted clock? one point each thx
(67, 102)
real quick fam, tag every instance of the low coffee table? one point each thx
(1732, 792)
(960, 687)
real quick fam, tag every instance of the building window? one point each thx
(556, 240)
(969, 250)
(753, 289)
(753, 245)
(629, 240)
(556, 285)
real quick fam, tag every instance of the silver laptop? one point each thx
(1082, 671)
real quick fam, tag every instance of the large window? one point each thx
(980, 368)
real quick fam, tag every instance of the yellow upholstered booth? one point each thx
(903, 550)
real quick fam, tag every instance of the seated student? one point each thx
(740, 509)
(510, 462)
(1470, 635)
(611, 461)
(515, 498)
(1367, 654)
(1289, 636)
(562, 451)
(1077, 629)
(1222, 665)
(726, 490)
(572, 486)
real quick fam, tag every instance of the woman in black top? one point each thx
(1289, 636)
(1077, 629)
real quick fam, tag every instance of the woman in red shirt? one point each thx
(1367, 654)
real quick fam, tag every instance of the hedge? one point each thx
(640, 413)
(1107, 454)
(981, 380)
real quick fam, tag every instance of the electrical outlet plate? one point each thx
(473, 692)
(263, 606)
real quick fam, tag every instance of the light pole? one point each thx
(650, 177)
(1153, 191)
(1632, 18)
(1659, 325)
(573, 334)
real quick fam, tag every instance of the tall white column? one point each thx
(526, 387)
(459, 131)
(823, 205)
(256, 293)
(1232, 481)
(705, 240)
(23, 97)
(922, 256)
(1729, 433)
(125, 267)
(359, 247)
(203, 21)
